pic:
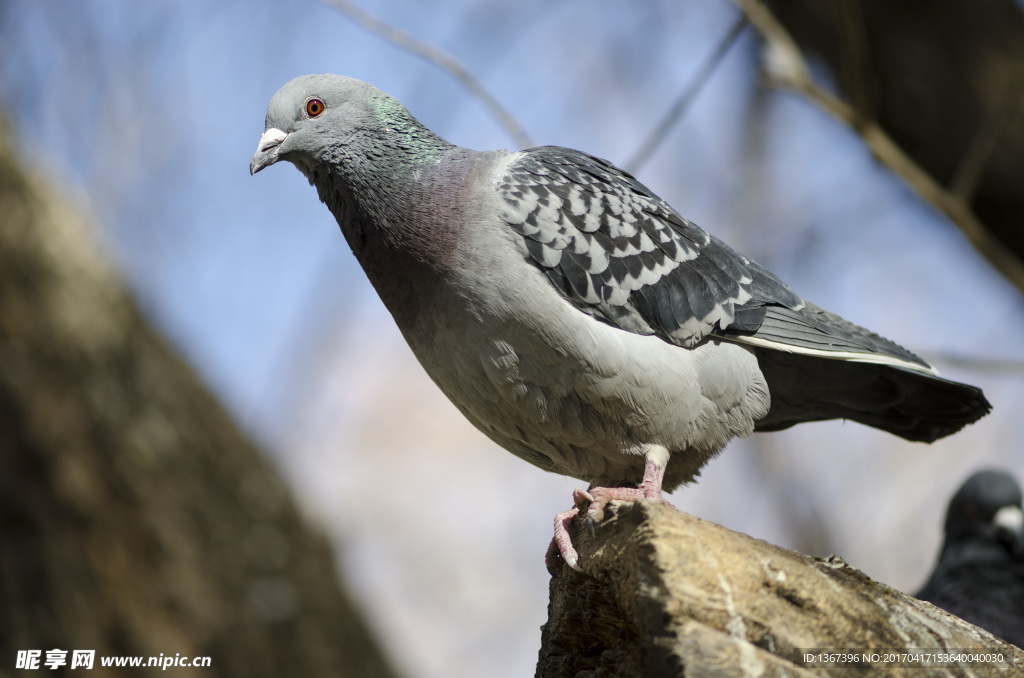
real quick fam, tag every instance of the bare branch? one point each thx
(686, 98)
(854, 56)
(438, 57)
(787, 68)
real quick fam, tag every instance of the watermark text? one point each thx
(86, 659)
(920, 658)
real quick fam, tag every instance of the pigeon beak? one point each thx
(268, 151)
(1009, 524)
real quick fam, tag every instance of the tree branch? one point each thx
(787, 68)
(440, 58)
(685, 99)
(856, 66)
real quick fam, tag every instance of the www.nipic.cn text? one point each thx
(85, 659)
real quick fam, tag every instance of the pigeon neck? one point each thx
(374, 186)
(974, 548)
(397, 217)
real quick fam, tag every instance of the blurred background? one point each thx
(148, 114)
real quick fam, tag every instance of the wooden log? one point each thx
(664, 594)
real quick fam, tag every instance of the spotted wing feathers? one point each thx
(618, 252)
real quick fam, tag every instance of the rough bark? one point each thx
(666, 594)
(135, 519)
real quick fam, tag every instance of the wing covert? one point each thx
(618, 252)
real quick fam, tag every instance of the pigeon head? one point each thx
(336, 122)
(988, 504)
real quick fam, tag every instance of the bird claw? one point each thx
(581, 497)
(561, 544)
(591, 503)
(602, 496)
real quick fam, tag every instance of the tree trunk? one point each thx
(135, 519)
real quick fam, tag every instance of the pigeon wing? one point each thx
(620, 253)
(617, 251)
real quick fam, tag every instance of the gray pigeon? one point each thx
(980, 573)
(573, 316)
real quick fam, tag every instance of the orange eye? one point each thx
(314, 107)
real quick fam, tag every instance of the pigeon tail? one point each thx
(911, 404)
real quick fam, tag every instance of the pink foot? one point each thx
(598, 499)
(606, 495)
(561, 543)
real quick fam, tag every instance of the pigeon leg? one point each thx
(599, 498)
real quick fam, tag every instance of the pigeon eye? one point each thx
(314, 107)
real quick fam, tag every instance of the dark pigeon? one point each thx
(980, 573)
(573, 316)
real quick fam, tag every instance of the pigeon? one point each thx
(980, 573)
(573, 316)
